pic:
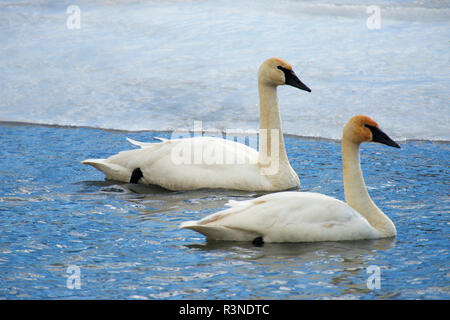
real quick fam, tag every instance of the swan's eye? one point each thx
(285, 70)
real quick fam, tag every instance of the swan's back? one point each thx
(286, 217)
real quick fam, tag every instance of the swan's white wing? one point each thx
(144, 144)
(286, 217)
(204, 162)
(186, 164)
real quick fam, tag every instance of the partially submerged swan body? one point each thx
(180, 164)
(306, 216)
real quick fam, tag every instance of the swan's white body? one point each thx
(160, 166)
(240, 167)
(304, 216)
(286, 217)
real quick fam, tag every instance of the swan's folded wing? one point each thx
(204, 162)
(288, 217)
(145, 144)
(189, 164)
(111, 170)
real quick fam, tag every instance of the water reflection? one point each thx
(285, 250)
(338, 266)
(152, 200)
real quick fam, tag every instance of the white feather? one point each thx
(286, 217)
(156, 161)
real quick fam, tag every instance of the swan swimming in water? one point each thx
(306, 216)
(267, 170)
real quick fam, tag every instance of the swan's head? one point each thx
(276, 72)
(363, 129)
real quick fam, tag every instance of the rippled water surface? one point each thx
(56, 213)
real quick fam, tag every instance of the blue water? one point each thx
(56, 213)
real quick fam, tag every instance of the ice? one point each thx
(161, 65)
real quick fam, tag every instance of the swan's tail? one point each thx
(112, 171)
(208, 231)
(96, 163)
(217, 232)
(212, 227)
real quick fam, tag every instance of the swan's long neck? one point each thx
(356, 193)
(271, 141)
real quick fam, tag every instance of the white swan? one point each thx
(306, 216)
(181, 164)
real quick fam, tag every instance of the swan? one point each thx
(233, 166)
(305, 216)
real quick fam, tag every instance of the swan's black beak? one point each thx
(293, 80)
(381, 137)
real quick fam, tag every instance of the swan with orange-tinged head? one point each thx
(218, 163)
(306, 216)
